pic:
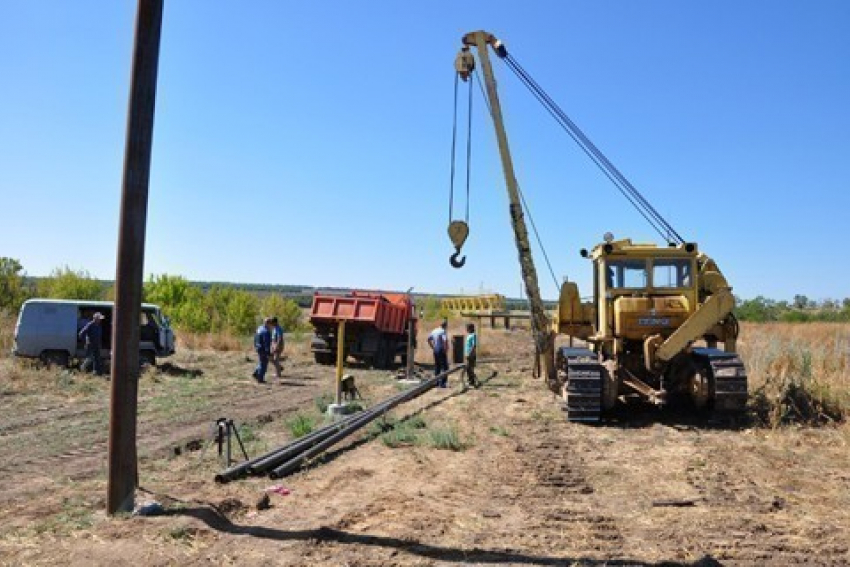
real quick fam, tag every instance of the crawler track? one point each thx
(584, 383)
(729, 379)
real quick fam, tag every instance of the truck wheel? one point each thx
(50, 358)
(147, 358)
(326, 358)
(384, 356)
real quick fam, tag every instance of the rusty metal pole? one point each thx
(340, 360)
(123, 471)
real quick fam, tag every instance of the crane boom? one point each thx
(544, 335)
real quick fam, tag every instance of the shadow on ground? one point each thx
(215, 519)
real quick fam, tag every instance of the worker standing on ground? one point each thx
(277, 347)
(263, 345)
(92, 334)
(470, 351)
(438, 340)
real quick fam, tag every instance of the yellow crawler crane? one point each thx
(651, 306)
(658, 312)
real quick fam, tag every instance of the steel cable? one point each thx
(623, 185)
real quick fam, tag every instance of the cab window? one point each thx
(626, 274)
(671, 273)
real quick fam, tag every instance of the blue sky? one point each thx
(308, 142)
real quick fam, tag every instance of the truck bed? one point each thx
(361, 309)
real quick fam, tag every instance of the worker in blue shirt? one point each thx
(470, 351)
(92, 335)
(263, 346)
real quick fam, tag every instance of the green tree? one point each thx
(65, 283)
(242, 312)
(287, 311)
(193, 314)
(758, 310)
(168, 291)
(217, 300)
(433, 308)
(12, 292)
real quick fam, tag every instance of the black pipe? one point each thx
(362, 420)
(280, 455)
(286, 452)
(246, 468)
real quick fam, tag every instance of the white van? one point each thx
(47, 329)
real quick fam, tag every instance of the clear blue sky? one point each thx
(308, 142)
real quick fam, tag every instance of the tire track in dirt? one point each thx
(748, 526)
(87, 457)
(560, 501)
(12, 426)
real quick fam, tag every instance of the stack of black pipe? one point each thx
(290, 457)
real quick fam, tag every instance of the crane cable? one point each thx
(652, 216)
(454, 152)
(525, 206)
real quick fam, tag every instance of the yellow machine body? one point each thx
(665, 297)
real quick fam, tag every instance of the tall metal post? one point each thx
(123, 465)
(410, 350)
(340, 359)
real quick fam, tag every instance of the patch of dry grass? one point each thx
(7, 332)
(798, 372)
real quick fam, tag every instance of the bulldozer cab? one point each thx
(643, 289)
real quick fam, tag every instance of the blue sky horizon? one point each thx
(308, 143)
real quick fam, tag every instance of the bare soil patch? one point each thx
(517, 485)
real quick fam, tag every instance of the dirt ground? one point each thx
(518, 485)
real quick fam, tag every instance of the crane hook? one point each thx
(458, 231)
(453, 260)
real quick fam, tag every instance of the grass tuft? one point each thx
(399, 436)
(301, 425)
(446, 438)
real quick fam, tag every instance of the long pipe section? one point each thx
(309, 444)
(362, 420)
(259, 464)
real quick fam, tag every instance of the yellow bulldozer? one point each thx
(658, 313)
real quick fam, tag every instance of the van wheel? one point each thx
(147, 358)
(50, 358)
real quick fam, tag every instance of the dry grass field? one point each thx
(489, 476)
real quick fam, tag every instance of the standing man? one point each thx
(263, 345)
(92, 335)
(439, 343)
(470, 351)
(277, 346)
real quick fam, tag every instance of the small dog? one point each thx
(349, 388)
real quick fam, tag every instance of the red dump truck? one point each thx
(376, 326)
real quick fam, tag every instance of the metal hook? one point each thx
(453, 260)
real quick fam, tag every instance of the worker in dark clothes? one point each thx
(92, 335)
(263, 346)
(438, 340)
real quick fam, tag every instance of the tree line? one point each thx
(190, 307)
(801, 309)
(204, 307)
